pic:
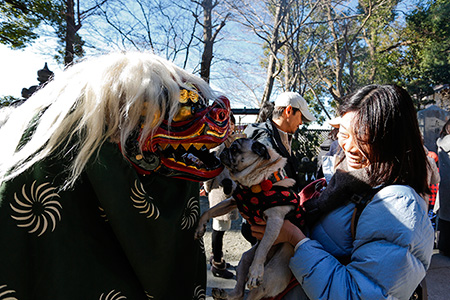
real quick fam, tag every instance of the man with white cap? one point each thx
(290, 111)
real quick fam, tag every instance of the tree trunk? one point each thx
(207, 55)
(274, 47)
(337, 91)
(70, 33)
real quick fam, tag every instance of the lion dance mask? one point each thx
(94, 200)
(180, 148)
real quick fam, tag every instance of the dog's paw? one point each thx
(200, 231)
(219, 294)
(255, 276)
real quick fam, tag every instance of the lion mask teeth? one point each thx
(186, 146)
(198, 146)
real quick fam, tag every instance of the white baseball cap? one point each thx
(335, 122)
(297, 101)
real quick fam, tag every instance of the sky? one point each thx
(19, 68)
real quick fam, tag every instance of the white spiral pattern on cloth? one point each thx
(113, 295)
(191, 213)
(103, 214)
(6, 294)
(139, 202)
(37, 211)
(199, 293)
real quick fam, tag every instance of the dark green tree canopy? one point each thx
(429, 26)
(19, 20)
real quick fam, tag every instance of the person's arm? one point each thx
(433, 170)
(289, 233)
(392, 251)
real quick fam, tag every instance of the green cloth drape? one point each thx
(114, 235)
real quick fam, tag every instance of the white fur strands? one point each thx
(95, 100)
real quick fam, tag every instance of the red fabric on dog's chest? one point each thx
(252, 205)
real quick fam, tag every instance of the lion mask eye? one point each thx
(193, 95)
(186, 95)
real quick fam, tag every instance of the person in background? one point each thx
(390, 250)
(433, 181)
(433, 177)
(290, 111)
(443, 227)
(328, 148)
(221, 188)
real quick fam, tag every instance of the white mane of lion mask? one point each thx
(157, 113)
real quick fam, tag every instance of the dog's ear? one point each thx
(260, 149)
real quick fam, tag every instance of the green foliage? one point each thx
(19, 20)
(426, 61)
(306, 143)
(429, 27)
(17, 24)
(8, 100)
(306, 146)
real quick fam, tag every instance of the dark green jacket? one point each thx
(114, 235)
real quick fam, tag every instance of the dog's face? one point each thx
(243, 154)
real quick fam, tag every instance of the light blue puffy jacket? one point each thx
(389, 257)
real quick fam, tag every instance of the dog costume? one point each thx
(253, 201)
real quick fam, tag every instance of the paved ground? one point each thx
(437, 279)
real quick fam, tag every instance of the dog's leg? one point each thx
(241, 277)
(218, 210)
(277, 274)
(275, 219)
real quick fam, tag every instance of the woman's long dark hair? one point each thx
(388, 134)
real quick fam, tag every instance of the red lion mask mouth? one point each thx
(181, 149)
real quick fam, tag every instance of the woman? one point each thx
(443, 144)
(392, 247)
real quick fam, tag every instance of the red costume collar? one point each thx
(267, 184)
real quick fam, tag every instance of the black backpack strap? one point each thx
(361, 202)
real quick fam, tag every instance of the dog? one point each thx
(258, 170)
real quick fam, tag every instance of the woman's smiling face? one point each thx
(347, 140)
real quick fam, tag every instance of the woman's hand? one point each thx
(289, 233)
